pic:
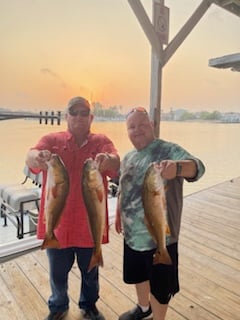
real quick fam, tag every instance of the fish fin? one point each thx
(54, 191)
(168, 231)
(100, 195)
(96, 260)
(50, 242)
(162, 257)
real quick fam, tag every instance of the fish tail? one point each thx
(96, 260)
(162, 257)
(50, 242)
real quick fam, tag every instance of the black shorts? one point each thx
(138, 267)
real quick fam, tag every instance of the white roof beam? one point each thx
(186, 29)
(147, 26)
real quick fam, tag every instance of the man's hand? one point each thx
(38, 159)
(107, 161)
(42, 158)
(168, 169)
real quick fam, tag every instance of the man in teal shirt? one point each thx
(155, 284)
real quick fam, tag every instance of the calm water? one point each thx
(217, 145)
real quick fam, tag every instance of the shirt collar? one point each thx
(70, 137)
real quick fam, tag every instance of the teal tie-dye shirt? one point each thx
(133, 168)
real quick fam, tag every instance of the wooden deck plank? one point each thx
(209, 268)
(208, 291)
(211, 239)
(213, 212)
(23, 292)
(8, 304)
(190, 309)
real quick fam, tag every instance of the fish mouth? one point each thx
(91, 163)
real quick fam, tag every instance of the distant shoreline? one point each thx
(96, 119)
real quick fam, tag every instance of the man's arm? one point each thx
(181, 168)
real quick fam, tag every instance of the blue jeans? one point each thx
(60, 263)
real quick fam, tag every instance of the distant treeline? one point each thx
(184, 115)
(118, 112)
(113, 112)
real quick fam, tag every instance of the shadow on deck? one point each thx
(209, 249)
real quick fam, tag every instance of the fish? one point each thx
(94, 196)
(155, 212)
(56, 192)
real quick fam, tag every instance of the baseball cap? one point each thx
(78, 100)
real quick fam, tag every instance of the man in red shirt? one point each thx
(74, 146)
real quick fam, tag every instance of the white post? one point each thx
(160, 22)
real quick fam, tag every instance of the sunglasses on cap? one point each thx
(137, 109)
(81, 113)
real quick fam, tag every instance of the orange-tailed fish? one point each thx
(56, 192)
(155, 210)
(94, 196)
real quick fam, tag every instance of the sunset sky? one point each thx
(52, 50)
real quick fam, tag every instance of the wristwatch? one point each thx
(179, 169)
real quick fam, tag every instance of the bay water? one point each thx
(216, 144)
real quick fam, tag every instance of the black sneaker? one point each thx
(57, 315)
(92, 314)
(136, 314)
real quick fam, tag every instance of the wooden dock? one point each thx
(209, 268)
